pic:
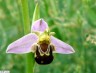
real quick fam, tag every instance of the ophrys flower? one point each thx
(40, 42)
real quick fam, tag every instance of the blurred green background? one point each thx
(74, 23)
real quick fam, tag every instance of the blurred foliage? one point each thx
(73, 21)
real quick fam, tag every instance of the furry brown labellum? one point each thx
(44, 53)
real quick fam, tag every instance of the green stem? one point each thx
(29, 57)
(25, 14)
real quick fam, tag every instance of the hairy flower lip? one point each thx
(24, 44)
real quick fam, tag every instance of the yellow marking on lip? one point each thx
(41, 54)
(47, 54)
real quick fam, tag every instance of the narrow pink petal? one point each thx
(39, 25)
(61, 47)
(22, 45)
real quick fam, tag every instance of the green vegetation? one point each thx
(74, 23)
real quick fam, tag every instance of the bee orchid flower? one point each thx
(41, 42)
